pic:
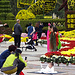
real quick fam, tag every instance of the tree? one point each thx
(14, 8)
(61, 13)
(42, 6)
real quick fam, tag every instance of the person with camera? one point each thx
(14, 63)
(6, 53)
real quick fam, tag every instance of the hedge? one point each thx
(24, 23)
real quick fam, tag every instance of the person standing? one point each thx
(48, 40)
(17, 33)
(53, 39)
(30, 30)
(40, 29)
(35, 37)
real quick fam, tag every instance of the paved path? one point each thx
(34, 63)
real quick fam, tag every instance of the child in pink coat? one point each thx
(48, 41)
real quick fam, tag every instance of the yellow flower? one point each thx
(25, 15)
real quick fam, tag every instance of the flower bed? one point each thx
(58, 58)
(65, 55)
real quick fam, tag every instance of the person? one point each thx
(6, 25)
(6, 53)
(53, 39)
(54, 25)
(14, 63)
(48, 41)
(30, 30)
(40, 29)
(35, 37)
(49, 68)
(17, 33)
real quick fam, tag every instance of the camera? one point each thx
(25, 58)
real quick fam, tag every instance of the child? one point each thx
(30, 44)
(49, 68)
(48, 41)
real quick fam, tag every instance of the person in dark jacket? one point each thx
(17, 33)
(40, 29)
(6, 53)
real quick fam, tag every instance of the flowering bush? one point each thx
(22, 3)
(25, 15)
(42, 5)
(68, 34)
(47, 16)
(65, 55)
(60, 58)
(71, 4)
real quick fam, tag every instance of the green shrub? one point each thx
(5, 8)
(45, 28)
(2, 16)
(24, 23)
(10, 16)
(39, 17)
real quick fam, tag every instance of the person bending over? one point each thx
(14, 63)
(6, 53)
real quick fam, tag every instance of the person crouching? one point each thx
(14, 63)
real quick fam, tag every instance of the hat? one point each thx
(49, 24)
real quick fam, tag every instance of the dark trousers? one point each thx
(20, 67)
(17, 39)
(39, 35)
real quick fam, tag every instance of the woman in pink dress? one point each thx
(48, 41)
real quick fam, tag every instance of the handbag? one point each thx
(35, 36)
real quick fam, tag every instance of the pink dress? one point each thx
(48, 42)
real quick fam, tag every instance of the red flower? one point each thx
(49, 54)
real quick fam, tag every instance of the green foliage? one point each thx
(6, 39)
(45, 28)
(39, 17)
(5, 9)
(43, 59)
(61, 13)
(2, 16)
(42, 6)
(14, 8)
(10, 16)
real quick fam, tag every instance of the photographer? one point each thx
(14, 63)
